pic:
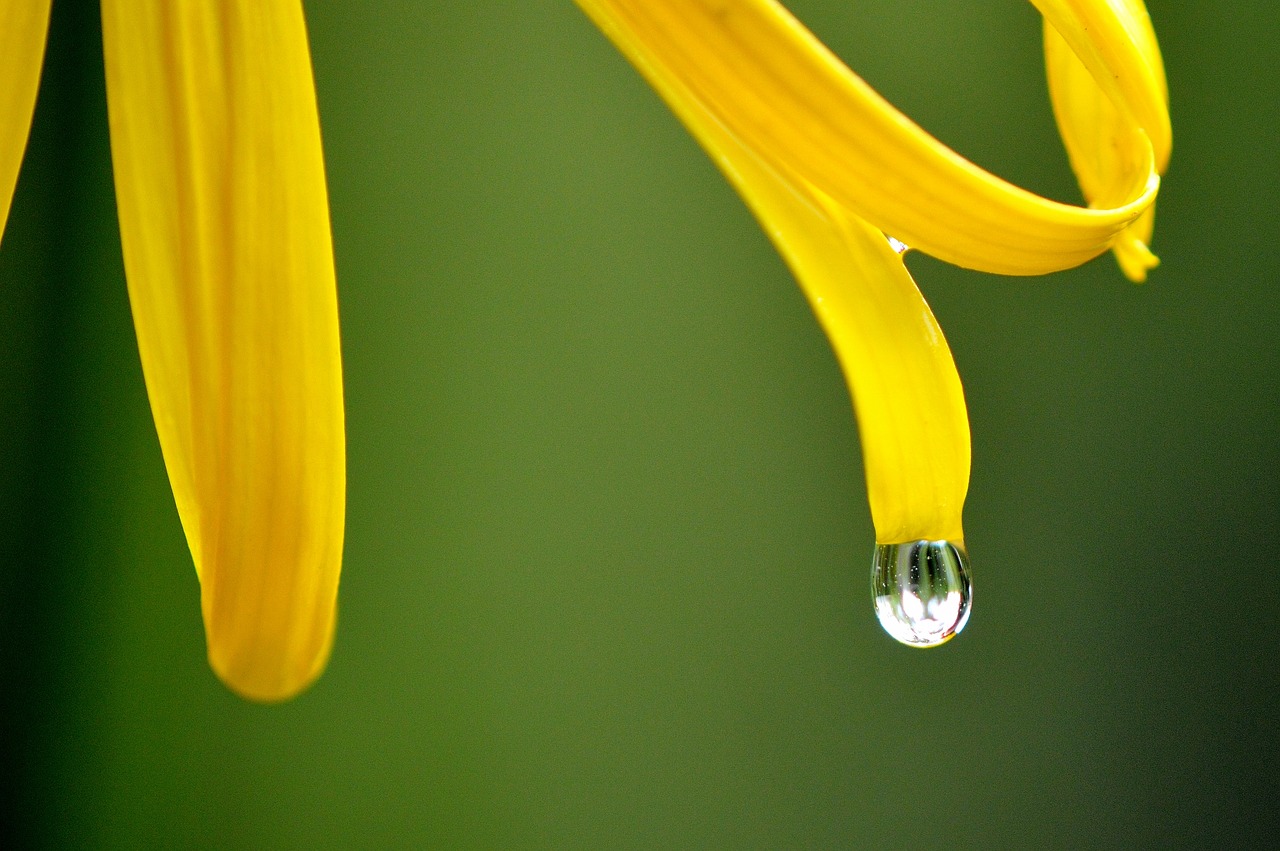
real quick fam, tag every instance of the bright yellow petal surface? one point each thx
(23, 26)
(225, 226)
(758, 71)
(907, 394)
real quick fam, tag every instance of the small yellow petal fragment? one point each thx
(23, 27)
(225, 226)
(908, 398)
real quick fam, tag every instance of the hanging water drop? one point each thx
(922, 591)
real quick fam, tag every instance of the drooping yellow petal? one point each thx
(909, 401)
(906, 391)
(23, 27)
(786, 97)
(225, 226)
(1108, 109)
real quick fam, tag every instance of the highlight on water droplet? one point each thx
(922, 591)
(897, 245)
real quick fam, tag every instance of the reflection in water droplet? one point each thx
(898, 245)
(921, 590)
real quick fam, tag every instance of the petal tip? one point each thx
(266, 675)
(1135, 259)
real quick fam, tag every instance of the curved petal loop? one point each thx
(225, 226)
(759, 72)
(24, 25)
(827, 166)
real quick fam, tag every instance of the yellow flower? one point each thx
(829, 168)
(224, 223)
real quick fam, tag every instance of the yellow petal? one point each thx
(23, 27)
(1107, 113)
(777, 89)
(225, 226)
(907, 395)
(1116, 44)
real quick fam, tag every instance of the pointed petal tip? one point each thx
(1135, 259)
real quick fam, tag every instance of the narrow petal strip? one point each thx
(24, 25)
(771, 83)
(225, 227)
(907, 394)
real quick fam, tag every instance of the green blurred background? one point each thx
(606, 572)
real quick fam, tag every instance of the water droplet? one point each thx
(921, 590)
(898, 245)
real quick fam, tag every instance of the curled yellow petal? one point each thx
(829, 168)
(778, 89)
(1106, 80)
(225, 228)
(1114, 42)
(23, 26)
